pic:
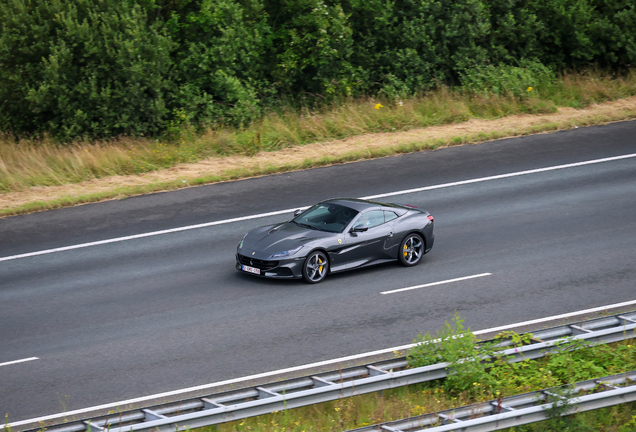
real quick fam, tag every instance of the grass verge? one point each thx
(473, 382)
(41, 175)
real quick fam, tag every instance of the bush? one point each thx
(482, 371)
(218, 67)
(102, 68)
(455, 345)
(506, 80)
(91, 67)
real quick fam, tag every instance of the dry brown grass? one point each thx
(103, 187)
(47, 163)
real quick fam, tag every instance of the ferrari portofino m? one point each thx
(336, 235)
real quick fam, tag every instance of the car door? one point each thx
(366, 247)
(392, 243)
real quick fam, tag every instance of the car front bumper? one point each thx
(290, 268)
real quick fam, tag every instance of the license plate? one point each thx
(250, 269)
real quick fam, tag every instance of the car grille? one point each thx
(260, 264)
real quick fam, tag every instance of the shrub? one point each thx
(455, 345)
(91, 67)
(102, 68)
(482, 371)
(506, 80)
(218, 67)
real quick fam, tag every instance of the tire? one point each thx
(316, 267)
(411, 250)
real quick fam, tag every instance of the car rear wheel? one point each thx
(411, 250)
(316, 267)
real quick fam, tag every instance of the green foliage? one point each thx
(91, 67)
(560, 409)
(482, 370)
(403, 47)
(311, 47)
(456, 346)
(102, 68)
(217, 69)
(519, 81)
(578, 33)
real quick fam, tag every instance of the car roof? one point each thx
(360, 204)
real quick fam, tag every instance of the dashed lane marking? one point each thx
(436, 283)
(18, 361)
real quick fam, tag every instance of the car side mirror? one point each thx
(359, 228)
(297, 212)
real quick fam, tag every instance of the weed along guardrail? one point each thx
(238, 404)
(521, 409)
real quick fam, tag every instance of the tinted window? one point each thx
(389, 215)
(371, 219)
(326, 217)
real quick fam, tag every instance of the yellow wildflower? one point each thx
(378, 106)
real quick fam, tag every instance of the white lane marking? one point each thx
(279, 212)
(19, 361)
(502, 176)
(436, 283)
(556, 317)
(123, 403)
(149, 234)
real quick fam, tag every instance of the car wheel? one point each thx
(316, 267)
(411, 250)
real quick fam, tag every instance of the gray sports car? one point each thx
(336, 235)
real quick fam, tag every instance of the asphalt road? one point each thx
(144, 316)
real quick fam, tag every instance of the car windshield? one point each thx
(326, 217)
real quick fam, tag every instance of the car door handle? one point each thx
(390, 234)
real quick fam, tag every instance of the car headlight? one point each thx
(286, 253)
(240, 245)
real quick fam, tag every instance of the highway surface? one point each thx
(148, 315)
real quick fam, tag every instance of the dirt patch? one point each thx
(354, 148)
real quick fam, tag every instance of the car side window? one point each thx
(389, 215)
(371, 219)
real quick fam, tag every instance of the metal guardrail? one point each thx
(238, 404)
(520, 409)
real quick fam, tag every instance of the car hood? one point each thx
(277, 238)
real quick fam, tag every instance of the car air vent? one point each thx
(276, 228)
